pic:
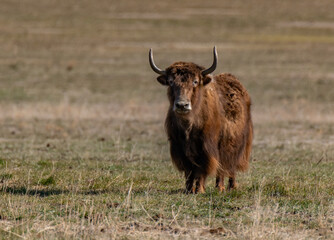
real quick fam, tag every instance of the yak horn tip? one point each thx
(152, 64)
(214, 64)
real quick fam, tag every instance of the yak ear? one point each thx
(207, 79)
(162, 79)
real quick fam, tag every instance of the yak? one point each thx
(209, 124)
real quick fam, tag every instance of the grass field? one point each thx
(83, 152)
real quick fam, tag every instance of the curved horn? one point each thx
(153, 66)
(214, 64)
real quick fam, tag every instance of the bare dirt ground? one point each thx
(83, 149)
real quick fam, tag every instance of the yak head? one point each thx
(185, 82)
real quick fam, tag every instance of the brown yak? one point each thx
(208, 123)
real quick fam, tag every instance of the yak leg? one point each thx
(189, 182)
(232, 183)
(200, 184)
(220, 182)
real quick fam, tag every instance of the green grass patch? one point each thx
(48, 181)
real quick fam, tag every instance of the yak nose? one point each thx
(183, 105)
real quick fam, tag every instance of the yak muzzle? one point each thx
(182, 107)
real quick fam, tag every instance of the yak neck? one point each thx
(186, 125)
(183, 122)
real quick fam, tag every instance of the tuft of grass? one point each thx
(44, 164)
(48, 181)
(2, 162)
(5, 176)
(275, 188)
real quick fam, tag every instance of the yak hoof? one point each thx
(194, 191)
(221, 189)
(232, 187)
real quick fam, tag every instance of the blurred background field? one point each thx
(82, 142)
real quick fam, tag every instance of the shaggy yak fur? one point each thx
(215, 136)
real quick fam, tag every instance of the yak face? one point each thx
(185, 83)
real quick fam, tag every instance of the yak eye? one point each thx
(195, 82)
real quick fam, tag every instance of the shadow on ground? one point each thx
(47, 192)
